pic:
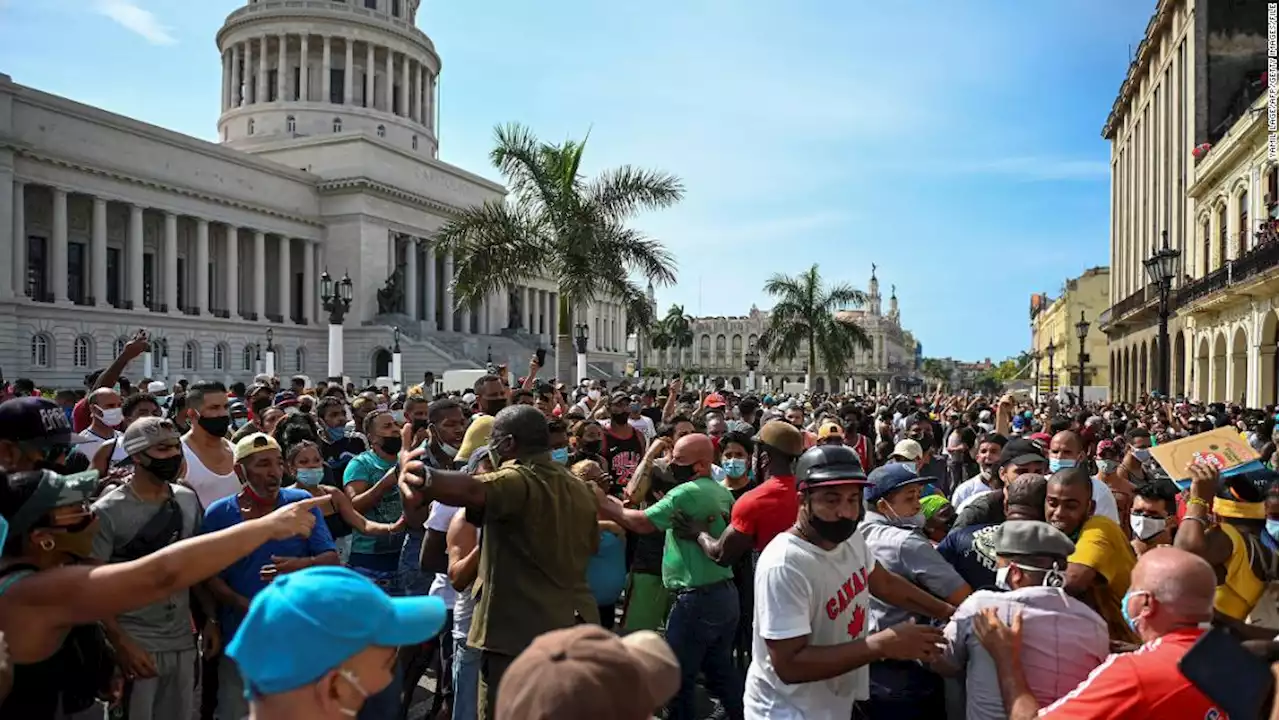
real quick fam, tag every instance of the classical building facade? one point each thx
(328, 162)
(721, 344)
(1053, 323)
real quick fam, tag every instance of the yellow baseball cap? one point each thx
(477, 435)
(253, 444)
(830, 428)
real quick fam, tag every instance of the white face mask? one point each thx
(350, 677)
(1144, 528)
(111, 417)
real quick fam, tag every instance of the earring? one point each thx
(48, 544)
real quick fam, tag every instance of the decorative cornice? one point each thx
(173, 189)
(365, 184)
(1162, 16)
(251, 14)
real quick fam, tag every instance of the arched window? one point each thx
(337, 124)
(1204, 251)
(1222, 235)
(415, 142)
(300, 359)
(705, 347)
(291, 124)
(117, 348)
(1242, 242)
(40, 350)
(81, 352)
(190, 355)
(219, 357)
(382, 131)
(250, 126)
(246, 359)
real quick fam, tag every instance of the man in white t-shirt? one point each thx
(813, 583)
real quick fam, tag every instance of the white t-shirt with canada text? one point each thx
(802, 589)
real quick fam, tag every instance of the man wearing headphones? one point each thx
(1063, 643)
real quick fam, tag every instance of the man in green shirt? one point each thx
(704, 616)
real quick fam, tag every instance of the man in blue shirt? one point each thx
(260, 467)
(971, 549)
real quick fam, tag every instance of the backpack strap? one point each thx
(10, 575)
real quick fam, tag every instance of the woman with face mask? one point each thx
(48, 584)
(370, 483)
(305, 466)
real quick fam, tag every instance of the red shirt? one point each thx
(1139, 685)
(81, 418)
(767, 510)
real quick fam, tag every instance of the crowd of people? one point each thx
(619, 550)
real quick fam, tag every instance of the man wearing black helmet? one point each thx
(813, 586)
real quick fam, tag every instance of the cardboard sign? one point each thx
(1223, 448)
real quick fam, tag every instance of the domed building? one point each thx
(327, 163)
(722, 347)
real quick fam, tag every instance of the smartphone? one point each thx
(1236, 680)
(541, 355)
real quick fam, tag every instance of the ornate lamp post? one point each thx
(1035, 358)
(1162, 268)
(1082, 331)
(580, 344)
(396, 377)
(753, 360)
(257, 358)
(1050, 351)
(336, 300)
(149, 358)
(164, 359)
(271, 353)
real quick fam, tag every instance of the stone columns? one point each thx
(98, 253)
(260, 275)
(402, 107)
(201, 267)
(250, 83)
(554, 315)
(284, 297)
(326, 68)
(308, 281)
(1253, 374)
(230, 271)
(304, 69)
(411, 277)
(413, 80)
(544, 312)
(262, 70)
(349, 71)
(370, 99)
(526, 307)
(282, 67)
(390, 99)
(423, 73)
(447, 280)
(431, 102)
(134, 252)
(171, 262)
(622, 332)
(58, 246)
(19, 226)
(237, 84)
(431, 287)
(226, 79)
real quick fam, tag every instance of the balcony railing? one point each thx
(1261, 258)
(1135, 300)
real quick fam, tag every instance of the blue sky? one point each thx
(958, 150)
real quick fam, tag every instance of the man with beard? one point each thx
(259, 465)
(813, 586)
(150, 511)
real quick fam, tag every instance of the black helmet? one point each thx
(829, 465)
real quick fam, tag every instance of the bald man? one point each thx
(705, 614)
(106, 415)
(1170, 600)
(1067, 450)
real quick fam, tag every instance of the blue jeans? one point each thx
(412, 580)
(700, 631)
(382, 570)
(466, 680)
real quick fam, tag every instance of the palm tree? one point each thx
(933, 369)
(804, 319)
(677, 328)
(560, 224)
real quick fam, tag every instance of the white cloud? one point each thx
(137, 19)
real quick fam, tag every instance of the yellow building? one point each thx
(1226, 348)
(1055, 346)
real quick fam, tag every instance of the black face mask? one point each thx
(390, 445)
(925, 440)
(619, 418)
(833, 531)
(260, 407)
(593, 447)
(682, 473)
(215, 426)
(164, 469)
(491, 407)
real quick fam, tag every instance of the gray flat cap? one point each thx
(146, 432)
(1032, 537)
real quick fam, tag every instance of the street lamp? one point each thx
(1162, 267)
(395, 357)
(1082, 331)
(149, 359)
(580, 344)
(753, 360)
(1035, 357)
(804, 368)
(257, 358)
(1049, 351)
(271, 353)
(335, 297)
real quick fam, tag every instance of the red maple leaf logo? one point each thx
(857, 622)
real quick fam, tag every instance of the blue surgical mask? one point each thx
(1124, 608)
(1107, 466)
(1142, 454)
(336, 433)
(1056, 464)
(398, 416)
(310, 477)
(734, 467)
(239, 422)
(1273, 527)
(560, 455)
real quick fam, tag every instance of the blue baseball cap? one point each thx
(891, 476)
(307, 623)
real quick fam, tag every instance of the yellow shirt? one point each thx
(1103, 547)
(1241, 588)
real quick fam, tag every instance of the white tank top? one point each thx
(209, 486)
